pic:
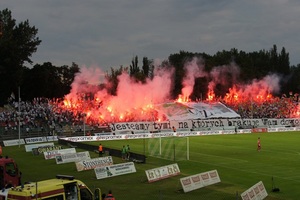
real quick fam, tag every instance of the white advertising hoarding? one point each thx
(163, 172)
(52, 154)
(199, 180)
(35, 140)
(13, 142)
(72, 157)
(29, 147)
(114, 170)
(256, 192)
(94, 163)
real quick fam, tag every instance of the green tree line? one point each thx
(18, 42)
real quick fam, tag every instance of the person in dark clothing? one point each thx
(100, 149)
(109, 196)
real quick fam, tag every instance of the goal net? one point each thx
(170, 148)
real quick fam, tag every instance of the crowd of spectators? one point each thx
(36, 116)
(276, 107)
(47, 116)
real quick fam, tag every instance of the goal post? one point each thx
(170, 148)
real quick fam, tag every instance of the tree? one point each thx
(43, 81)
(48, 81)
(146, 72)
(134, 68)
(67, 75)
(284, 62)
(112, 78)
(17, 44)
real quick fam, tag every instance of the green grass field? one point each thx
(235, 158)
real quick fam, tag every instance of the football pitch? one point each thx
(235, 157)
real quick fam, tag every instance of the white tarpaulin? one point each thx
(195, 110)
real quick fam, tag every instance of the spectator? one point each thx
(123, 151)
(100, 149)
(127, 148)
(109, 196)
(173, 128)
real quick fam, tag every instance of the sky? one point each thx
(109, 33)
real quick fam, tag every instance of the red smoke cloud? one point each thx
(194, 69)
(135, 101)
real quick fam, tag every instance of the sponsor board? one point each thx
(115, 170)
(244, 131)
(41, 150)
(35, 140)
(52, 154)
(30, 140)
(29, 147)
(163, 172)
(13, 142)
(72, 157)
(282, 129)
(259, 130)
(199, 180)
(257, 192)
(52, 138)
(94, 163)
(93, 138)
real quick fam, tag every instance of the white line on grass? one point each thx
(209, 155)
(282, 151)
(238, 169)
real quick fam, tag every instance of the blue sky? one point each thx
(109, 33)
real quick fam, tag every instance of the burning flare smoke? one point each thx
(135, 101)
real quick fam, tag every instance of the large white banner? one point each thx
(192, 110)
(256, 192)
(198, 124)
(163, 172)
(114, 170)
(187, 125)
(72, 157)
(94, 163)
(52, 154)
(199, 180)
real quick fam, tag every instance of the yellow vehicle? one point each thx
(60, 188)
